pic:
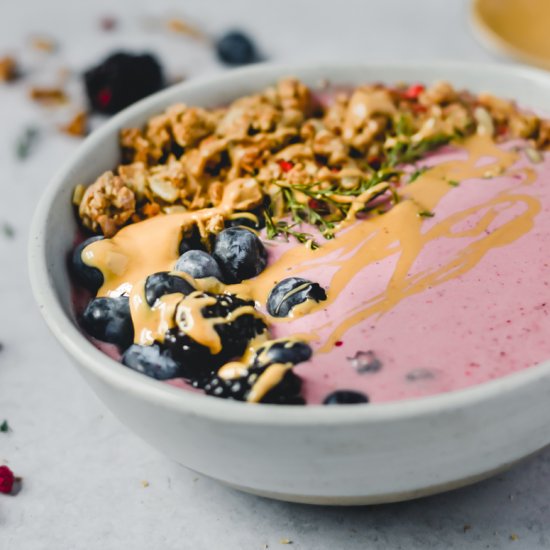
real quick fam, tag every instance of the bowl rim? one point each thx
(115, 374)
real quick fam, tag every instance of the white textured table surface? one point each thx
(82, 470)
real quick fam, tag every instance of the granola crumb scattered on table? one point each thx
(77, 126)
(8, 69)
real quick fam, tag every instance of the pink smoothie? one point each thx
(487, 323)
(482, 324)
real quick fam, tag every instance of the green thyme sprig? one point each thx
(322, 207)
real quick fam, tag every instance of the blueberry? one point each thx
(345, 397)
(184, 247)
(89, 277)
(235, 48)
(198, 264)
(291, 292)
(240, 254)
(122, 79)
(109, 320)
(282, 352)
(162, 283)
(151, 361)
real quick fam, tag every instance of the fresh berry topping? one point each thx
(87, 276)
(235, 48)
(198, 264)
(345, 397)
(285, 392)
(162, 283)
(151, 361)
(121, 80)
(109, 320)
(7, 480)
(234, 328)
(291, 292)
(240, 254)
(283, 351)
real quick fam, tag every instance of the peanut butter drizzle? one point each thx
(151, 323)
(266, 381)
(144, 248)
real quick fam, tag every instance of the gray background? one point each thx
(83, 471)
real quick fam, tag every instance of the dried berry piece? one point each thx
(7, 480)
(122, 79)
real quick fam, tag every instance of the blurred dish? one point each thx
(518, 28)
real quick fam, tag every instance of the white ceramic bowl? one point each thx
(324, 455)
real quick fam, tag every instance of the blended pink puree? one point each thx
(489, 322)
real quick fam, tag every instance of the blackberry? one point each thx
(198, 363)
(286, 392)
(122, 79)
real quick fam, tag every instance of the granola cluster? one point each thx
(329, 146)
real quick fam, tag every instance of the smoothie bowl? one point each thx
(328, 287)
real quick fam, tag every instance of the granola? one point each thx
(285, 138)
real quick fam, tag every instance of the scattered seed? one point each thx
(145, 484)
(426, 214)
(285, 541)
(26, 142)
(8, 230)
(514, 537)
(48, 96)
(44, 43)
(179, 26)
(534, 155)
